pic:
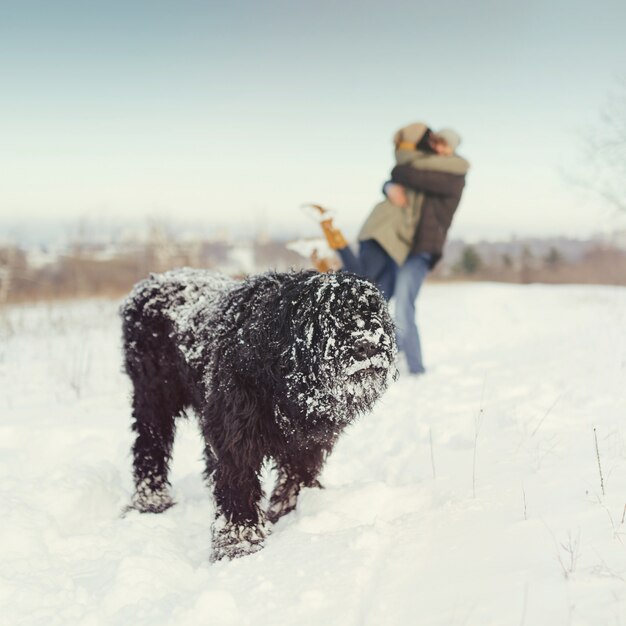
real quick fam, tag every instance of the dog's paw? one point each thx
(231, 541)
(281, 506)
(285, 497)
(146, 500)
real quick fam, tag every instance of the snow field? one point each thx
(469, 496)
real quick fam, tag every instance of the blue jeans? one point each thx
(372, 263)
(409, 279)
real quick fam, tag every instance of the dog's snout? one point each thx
(365, 350)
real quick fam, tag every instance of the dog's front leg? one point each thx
(239, 526)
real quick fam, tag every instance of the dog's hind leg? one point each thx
(154, 412)
(298, 471)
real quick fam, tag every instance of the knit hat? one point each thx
(410, 134)
(451, 137)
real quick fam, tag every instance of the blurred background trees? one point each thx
(606, 150)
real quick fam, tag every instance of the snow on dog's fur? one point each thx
(274, 366)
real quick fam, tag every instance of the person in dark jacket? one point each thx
(442, 193)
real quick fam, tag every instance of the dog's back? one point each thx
(174, 296)
(163, 307)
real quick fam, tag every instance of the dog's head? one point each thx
(343, 346)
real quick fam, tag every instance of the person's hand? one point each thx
(396, 194)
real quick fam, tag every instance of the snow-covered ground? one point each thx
(470, 496)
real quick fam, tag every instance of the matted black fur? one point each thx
(274, 366)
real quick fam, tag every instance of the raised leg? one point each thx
(378, 266)
(373, 263)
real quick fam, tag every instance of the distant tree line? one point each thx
(86, 269)
(601, 264)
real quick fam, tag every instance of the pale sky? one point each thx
(235, 113)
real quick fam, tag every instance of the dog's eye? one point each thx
(374, 303)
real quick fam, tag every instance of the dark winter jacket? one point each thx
(393, 227)
(442, 194)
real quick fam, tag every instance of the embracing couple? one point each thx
(403, 237)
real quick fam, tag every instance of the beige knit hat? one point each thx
(451, 137)
(411, 133)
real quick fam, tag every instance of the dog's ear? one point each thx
(299, 325)
(284, 304)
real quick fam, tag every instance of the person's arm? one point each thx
(428, 181)
(396, 194)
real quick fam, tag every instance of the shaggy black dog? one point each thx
(274, 366)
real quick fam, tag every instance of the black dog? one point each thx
(274, 366)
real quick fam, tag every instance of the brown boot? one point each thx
(333, 235)
(324, 217)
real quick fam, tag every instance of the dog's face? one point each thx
(346, 353)
(360, 349)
